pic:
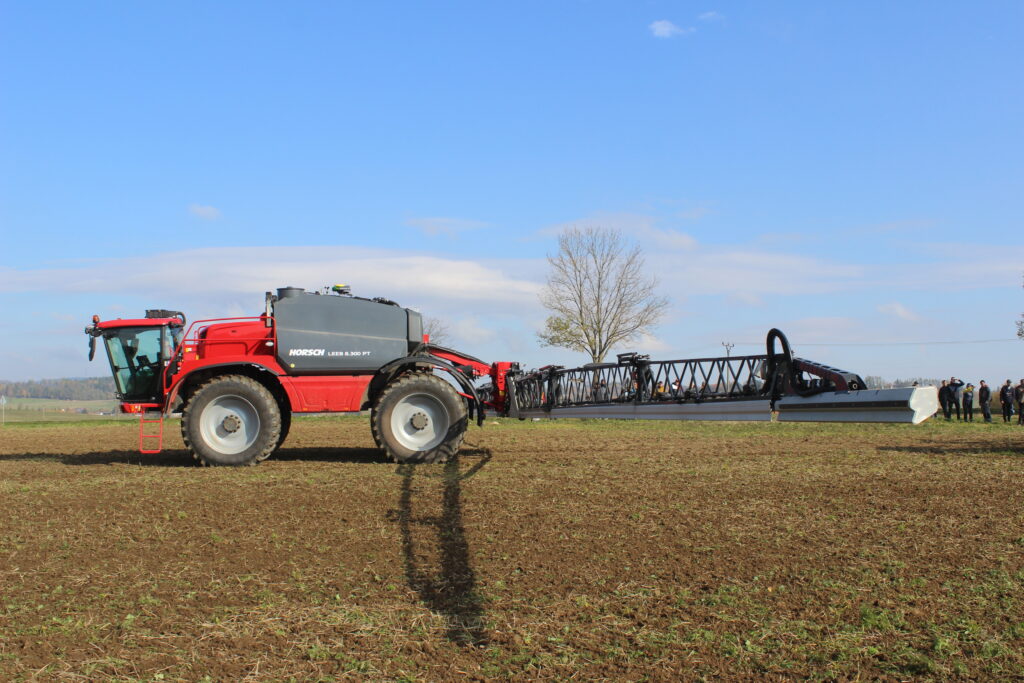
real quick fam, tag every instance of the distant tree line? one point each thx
(921, 382)
(82, 389)
(876, 382)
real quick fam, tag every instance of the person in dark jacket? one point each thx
(1006, 400)
(944, 398)
(954, 395)
(967, 398)
(1018, 396)
(985, 400)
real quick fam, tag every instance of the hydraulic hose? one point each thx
(788, 369)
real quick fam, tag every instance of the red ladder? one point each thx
(147, 437)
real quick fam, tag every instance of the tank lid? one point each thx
(285, 292)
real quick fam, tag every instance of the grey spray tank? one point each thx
(319, 334)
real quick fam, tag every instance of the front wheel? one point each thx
(419, 419)
(286, 425)
(231, 420)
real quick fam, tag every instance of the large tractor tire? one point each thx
(231, 420)
(419, 418)
(373, 428)
(286, 425)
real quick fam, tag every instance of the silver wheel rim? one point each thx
(229, 424)
(420, 422)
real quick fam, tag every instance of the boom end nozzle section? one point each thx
(911, 405)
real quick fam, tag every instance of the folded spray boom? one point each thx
(732, 388)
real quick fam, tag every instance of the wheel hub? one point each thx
(419, 421)
(231, 424)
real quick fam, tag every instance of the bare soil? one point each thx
(595, 550)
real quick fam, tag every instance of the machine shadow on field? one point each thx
(959, 448)
(180, 458)
(164, 459)
(364, 456)
(449, 587)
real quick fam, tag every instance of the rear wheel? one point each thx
(373, 428)
(231, 420)
(419, 419)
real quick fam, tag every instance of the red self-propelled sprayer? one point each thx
(237, 381)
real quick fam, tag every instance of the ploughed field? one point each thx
(600, 549)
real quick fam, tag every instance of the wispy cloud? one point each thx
(624, 221)
(893, 227)
(710, 16)
(494, 308)
(228, 273)
(663, 28)
(670, 239)
(471, 330)
(637, 225)
(898, 310)
(479, 296)
(445, 226)
(207, 213)
(648, 343)
(745, 275)
(693, 214)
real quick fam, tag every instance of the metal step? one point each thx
(151, 429)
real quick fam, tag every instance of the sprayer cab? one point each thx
(138, 350)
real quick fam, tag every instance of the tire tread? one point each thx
(440, 453)
(258, 388)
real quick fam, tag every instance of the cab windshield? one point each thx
(137, 357)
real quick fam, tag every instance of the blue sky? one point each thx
(852, 173)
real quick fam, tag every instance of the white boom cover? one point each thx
(910, 404)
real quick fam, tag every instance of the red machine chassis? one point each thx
(251, 342)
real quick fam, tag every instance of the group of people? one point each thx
(954, 395)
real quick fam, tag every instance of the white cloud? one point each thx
(747, 275)
(494, 309)
(693, 214)
(227, 275)
(472, 331)
(898, 310)
(444, 226)
(640, 226)
(629, 223)
(648, 343)
(671, 239)
(207, 213)
(710, 16)
(826, 329)
(663, 28)
(977, 267)
(890, 227)
(747, 298)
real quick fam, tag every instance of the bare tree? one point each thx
(437, 329)
(598, 293)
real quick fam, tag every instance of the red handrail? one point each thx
(187, 339)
